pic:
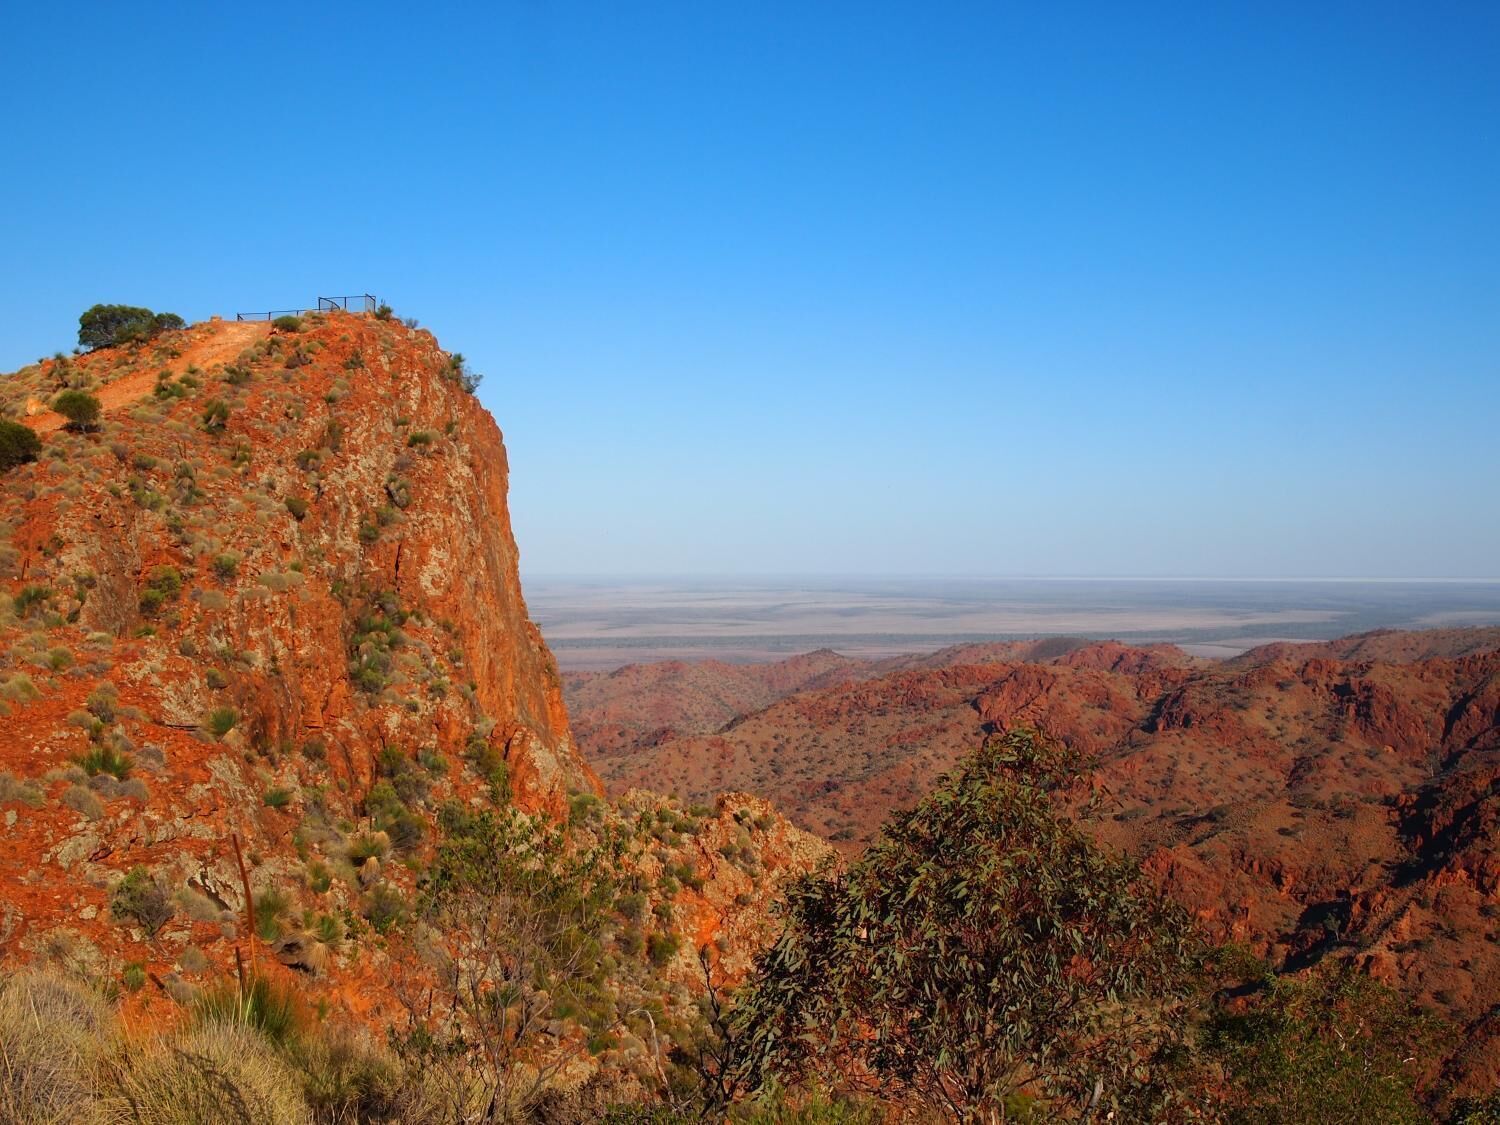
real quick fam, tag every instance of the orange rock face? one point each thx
(281, 571)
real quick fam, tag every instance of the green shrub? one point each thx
(270, 905)
(80, 408)
(221, 721)
(419, 438)
(459, 371)
(978, 904)
(384, 907)
(215, 414)
(141, 899)
(162, 585)
(287, 324)
(277, 798)
(384, 312)
(297, 507)
(226, 564)
(18, 444)
(134, 976)
(105, 759)
(661, 948)
(105, 326)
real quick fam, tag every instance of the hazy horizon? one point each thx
(593, 623)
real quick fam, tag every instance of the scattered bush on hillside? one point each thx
(983, 905)
(106, 760)
(221, 721)
(1337, 1046)
(141, 899)
(215, 414)
(459, 371)
(18, 444)
(297, 507)
(163, 585)
(384, 312)
(287, 324)
(516, 914)
(80, 408)
(105, 326)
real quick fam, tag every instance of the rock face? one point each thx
(280, 574)
(1341, 800)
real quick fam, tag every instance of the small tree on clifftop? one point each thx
(105, 326)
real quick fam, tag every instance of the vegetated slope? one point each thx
(640, 703)
(274, 596)
(1312, 806)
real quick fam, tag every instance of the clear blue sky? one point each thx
(1045, 289)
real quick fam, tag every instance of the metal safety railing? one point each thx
(363, 303)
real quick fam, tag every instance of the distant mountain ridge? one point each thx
(1335, 799)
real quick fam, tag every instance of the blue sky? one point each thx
(1044, 289)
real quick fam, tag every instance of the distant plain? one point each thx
(601, 623)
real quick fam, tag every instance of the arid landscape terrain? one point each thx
(1318, 800)
(295, 792)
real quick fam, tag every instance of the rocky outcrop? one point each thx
(273, 598)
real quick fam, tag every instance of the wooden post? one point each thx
(239, 858)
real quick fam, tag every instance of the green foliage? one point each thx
(105, 326)
(18, 444)
(520, 916)
(287, 324)
(80, 408)
(384, 907)
(376, 634)
(268, 1007)
(297, 507)
(163, 584)
(459, 371)
(982, 947)
(277, 798)
(384, 312)
(215, 414)
(270, 905)
(1337, 1046)
(226, 564)
(139, 898)
(134, 977)
(661, 948)
(105, 759)
(420, 438)
(221, 721)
